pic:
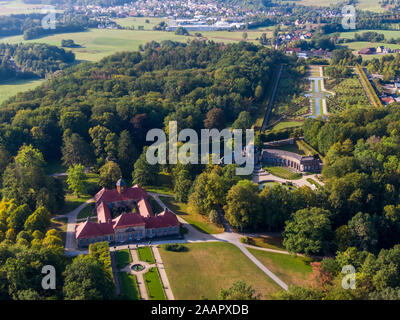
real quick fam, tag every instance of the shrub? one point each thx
(175, 247)
(247, 240)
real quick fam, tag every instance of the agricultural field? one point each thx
(139, 21)
(387, 33)
(210, 267)
(12, 87)
(18, 7)
(292, 270)
(358, 45)
(98, 43)
(371, 5)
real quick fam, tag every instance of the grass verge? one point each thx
(123, 258)
(154, 285)
(146, 254)
(129, 286)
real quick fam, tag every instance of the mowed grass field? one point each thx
(97, 43)
(146, 255)
(292, 270)
(387, 33)
(139, 21)
(206, 268)
(12, 87)
(18, 7)
(154, 285)
(371, 5)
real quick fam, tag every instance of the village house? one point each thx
(125, 215)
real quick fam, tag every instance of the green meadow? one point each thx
(12, 87)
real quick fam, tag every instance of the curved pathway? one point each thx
(70, 243)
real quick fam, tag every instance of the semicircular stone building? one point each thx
(292, 160)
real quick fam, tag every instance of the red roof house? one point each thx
(127, 225)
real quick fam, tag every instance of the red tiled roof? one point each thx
(388, 100)
(126, 220)
(133, 193)
(90, 229)
(103, 212)
(165, 219)
(144, 208)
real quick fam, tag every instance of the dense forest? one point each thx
(32, 60)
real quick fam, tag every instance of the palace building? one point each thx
(292, 160)
(124, 215)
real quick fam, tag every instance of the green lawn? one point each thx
(87, 211)
(268, 242)
(283, 173)
(371, 5)
(291, 148)
(163, 185)
(12, 87)
(355, 46)
(98, 43)
(206, 268)
(146, 254)
(18, 7)
(287, 124)
(292, 270)
(129, 286)
(72, 202)
(312, 181)
(139, 21)
(154, 285)
(123, 258)
(198, 221)
(388, 34)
